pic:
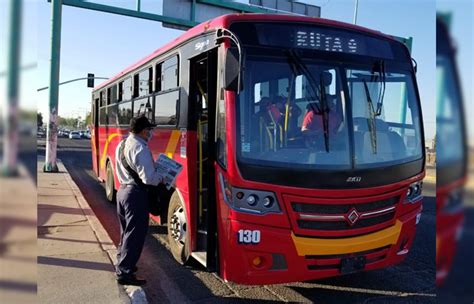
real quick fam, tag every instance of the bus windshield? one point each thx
(297, 110)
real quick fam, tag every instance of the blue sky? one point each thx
(104, 44)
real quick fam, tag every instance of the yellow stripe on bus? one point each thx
(172, 143)
(104, 153)
(315, 246)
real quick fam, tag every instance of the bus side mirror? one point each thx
(232, 70)
(415, 65)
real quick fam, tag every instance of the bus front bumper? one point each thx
(275, 255)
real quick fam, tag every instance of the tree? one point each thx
(88, 119)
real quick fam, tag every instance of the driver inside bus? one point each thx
(312, 126)
(313, 120)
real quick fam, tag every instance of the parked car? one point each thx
(87, 134)
(41, 132)
(74, 135)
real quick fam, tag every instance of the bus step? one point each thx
(201, 257)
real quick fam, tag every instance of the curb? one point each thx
(136, 294)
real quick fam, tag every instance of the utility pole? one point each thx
(356, 9)
(9, 167)
(52, 129)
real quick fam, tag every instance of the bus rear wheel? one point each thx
(110, 191)
(178, 232)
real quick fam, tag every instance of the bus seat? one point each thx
(398, 145)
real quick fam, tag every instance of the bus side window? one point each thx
(102, 98)
(158, 77)
(112, 95)
(166, 108)
(112, 115)
(127, 89)
(169, 78)
(136, 86)
(94, 114)
(124, 113)
(143, 107)
(103, 116)
(120, 91)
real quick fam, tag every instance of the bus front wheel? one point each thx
(109, 184)
(178, 232)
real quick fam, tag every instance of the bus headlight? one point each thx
(252, 200)
(267, 201)
(249, 200)
(414, 192)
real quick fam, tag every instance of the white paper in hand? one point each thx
(169, 168)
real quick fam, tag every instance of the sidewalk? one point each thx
(75, 253)
(18, 238)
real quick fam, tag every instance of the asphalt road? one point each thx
(170, 282)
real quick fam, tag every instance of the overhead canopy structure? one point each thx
(198, 11)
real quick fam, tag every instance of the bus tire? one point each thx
(178, 232)
(110, 191)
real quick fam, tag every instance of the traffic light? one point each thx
(90, 80)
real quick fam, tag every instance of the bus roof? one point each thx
(224, 21)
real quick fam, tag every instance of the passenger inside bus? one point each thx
(269, 117)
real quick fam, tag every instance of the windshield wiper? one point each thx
(325, 111)
(381, 71)
(371, 120)
(297, 66)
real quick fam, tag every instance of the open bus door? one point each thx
(203, 90)
(95, 136)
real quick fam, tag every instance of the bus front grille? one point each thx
(343, 217)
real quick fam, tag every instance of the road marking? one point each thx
(374, 291)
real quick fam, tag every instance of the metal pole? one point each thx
(10, 137)
(356, 9)
(193, 10)
(139, 5)
(52, 131)
(69, 81)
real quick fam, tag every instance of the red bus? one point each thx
(451, 153)
(301, 142)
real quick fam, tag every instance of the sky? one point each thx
(104, 44)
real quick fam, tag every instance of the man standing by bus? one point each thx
(136, 172)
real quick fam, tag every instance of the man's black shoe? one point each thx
(134, 269)
(131, 280)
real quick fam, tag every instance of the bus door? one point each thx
(95, 136)
(203, 81)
